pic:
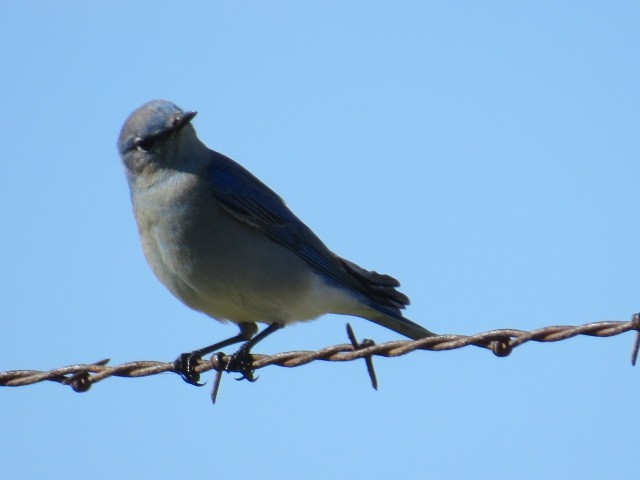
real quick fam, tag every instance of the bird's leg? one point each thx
(242, 358)
(186, 362)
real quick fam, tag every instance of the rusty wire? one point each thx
(501, 342)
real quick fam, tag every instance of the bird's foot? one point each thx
(242, 362)
(185, 365)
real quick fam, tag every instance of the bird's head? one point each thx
(150, 137)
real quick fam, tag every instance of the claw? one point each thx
(185, 366)
(242, 362)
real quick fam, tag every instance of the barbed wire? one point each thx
(501, 342)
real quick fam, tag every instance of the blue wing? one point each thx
(253, 203)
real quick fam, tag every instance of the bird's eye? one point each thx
(143, 144)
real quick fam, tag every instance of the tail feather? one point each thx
(378, 287)
(401, 325)
(386, 301)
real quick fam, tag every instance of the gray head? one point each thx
(147, 135)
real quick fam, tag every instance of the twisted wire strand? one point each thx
(501, 342)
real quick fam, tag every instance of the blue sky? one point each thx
(484, 153)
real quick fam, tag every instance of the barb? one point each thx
(369, 360)
(500, 342)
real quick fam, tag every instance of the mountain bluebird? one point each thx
(225, 244)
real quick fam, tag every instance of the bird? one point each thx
(227, 245)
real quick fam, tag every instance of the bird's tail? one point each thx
(385, 301)
(401, 325)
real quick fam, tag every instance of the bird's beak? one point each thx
(186, 118)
